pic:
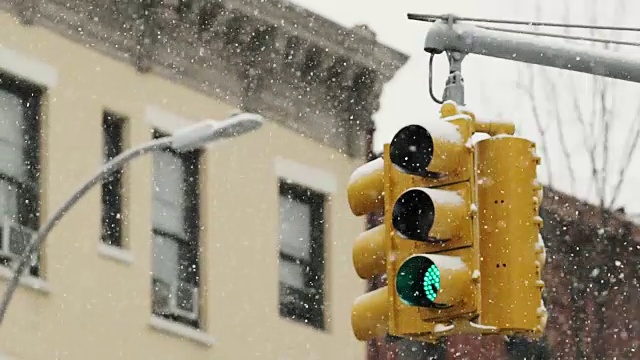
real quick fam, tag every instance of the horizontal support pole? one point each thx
(529, 49)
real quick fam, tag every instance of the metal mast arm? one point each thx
(469, 39)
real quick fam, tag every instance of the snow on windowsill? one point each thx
(29, 281)
(181, 331)
(116, 253)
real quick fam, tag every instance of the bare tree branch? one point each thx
(529, 90)
(606, 120)
(631, 145)
(553, 98)
(631, 141)
(607, 106)
(590, 100)
(591, 124)
(590, 144)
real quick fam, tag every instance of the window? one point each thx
(112, 130)
(176, 236)
(301, 265)
(19, 168)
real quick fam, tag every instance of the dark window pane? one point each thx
(161, 296)
(292, 273)
(165, 259)
(295, 227)
(301, 265)
(112, 129)
(8, 201)
(19, 167)
(169, 188)
(11, 135)
(175, 225)
(186, 298)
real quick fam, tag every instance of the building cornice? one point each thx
(291, 65)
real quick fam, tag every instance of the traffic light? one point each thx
(460, 243)
(511, 248)
(427, 245)
(432, 261)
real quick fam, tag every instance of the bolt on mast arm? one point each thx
(469, 39)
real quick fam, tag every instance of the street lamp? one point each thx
(186, 139)
(205, 132)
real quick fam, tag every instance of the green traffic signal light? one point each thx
(431, 282)
(418, 282)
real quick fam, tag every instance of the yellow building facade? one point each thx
(213, 254)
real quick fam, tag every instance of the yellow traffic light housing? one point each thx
(432, 260)
(460, 242)
(511, 248)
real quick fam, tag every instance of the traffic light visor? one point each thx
(414, 214)
(435, 281)
(435, 151)
(366, 187)
(412, 150)
(418, 282)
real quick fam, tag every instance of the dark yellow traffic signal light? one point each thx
(460, 243)
(512, 250)
(421, 279)
(432, 260)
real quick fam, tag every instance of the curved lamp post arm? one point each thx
(115, 164)
(186, 139)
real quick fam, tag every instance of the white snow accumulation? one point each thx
(444, 197)
(366, 170)
(475, 274)
(480, 326)
(447, 262)
(444, 131)
(476, 138)
(442, 327)
(540, 244)
(500, 136)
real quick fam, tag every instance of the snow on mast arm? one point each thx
(468, 39)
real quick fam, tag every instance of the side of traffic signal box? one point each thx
(428, 245)
(511, 247)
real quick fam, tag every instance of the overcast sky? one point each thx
(406, 96)
(490, 84)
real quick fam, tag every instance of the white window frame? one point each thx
(200, 302)
(28, 68)
(305, 175)
(316, 179)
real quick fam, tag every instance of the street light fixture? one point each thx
(205, 132)
(186, 139)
